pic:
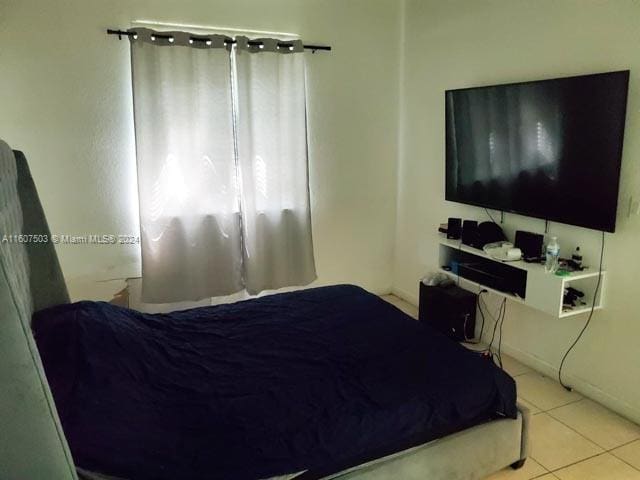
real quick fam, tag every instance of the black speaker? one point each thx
(451, 310)
(489, 232)
(470, 233)
(529, 243)
(454, 228)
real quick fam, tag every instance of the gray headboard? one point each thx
(45, 279)
(32, 444)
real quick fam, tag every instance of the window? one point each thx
(222, 165)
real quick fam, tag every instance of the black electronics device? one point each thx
(490, 232)
(488, 272)
(573, 297)
(535, 148)
(451, 310)
(530, 244)
(454, 228)
(470, 233)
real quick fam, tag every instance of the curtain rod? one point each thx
(121, 33)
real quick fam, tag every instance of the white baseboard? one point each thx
(407, 297)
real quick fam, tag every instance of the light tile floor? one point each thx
(572, 437)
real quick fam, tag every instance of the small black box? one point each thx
(529, 243)
(450, 310)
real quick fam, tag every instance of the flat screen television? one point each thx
(549, 149)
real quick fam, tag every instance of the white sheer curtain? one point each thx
(222, 173)
(189, 209)
(272, 159)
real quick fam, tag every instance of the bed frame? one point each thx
(33, 443)
(471, 454)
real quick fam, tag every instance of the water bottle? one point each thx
(553, 256)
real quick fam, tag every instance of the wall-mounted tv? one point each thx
(549, 149)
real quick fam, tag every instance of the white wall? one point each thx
(65, 99)
(469, 42)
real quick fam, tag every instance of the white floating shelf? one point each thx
(544, 291)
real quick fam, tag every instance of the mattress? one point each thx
(316, 380)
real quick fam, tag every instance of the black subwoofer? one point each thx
(450, 310)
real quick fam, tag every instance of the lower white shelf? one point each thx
(542, 291)
(477, 287)
(578, 311)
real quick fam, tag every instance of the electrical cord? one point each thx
(486, 210)
(504, 315)
(498, 319)
(481, 314)
(498, 328)
(495, 327)
(586, 325)
(470, 340)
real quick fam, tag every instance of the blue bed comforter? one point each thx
(313, 380)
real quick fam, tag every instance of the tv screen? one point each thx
(549, 149)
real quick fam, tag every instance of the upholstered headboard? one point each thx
(32, 444)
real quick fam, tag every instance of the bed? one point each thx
(321, 383)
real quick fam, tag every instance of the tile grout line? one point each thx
(624, 444)
(605, 449)
(604, 452)
(579, 434)
(577, 462)
(590, 458)
(547, 411)
(610, 452)
(560, 406)
(543, 474)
